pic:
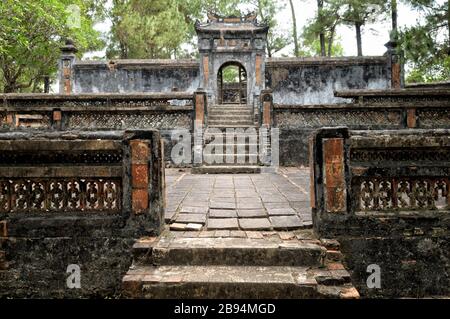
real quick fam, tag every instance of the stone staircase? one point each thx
(180, 267)
(237, 150)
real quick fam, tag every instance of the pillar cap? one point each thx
(69, 47)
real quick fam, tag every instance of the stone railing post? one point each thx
(395, 65)
(145, 176)
(66, 67)
(266, 108)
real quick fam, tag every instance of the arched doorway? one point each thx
(232, 84)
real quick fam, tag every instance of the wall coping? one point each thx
(409, 92)
(138, 63)
(353, 60)
(96, 96)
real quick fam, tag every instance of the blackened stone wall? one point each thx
(307, 81)
(365, 110)
(127, 76)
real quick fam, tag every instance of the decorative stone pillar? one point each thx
(395, 65)
(66, 67)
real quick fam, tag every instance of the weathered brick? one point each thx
(57, 115)
(139, 175)
(140, 152)
(139, 200)
(333, 150)
(349, 293)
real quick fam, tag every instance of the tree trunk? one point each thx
(46, 84)
(294, 29)
(330, 41)
(448, 26)
(321, 34)
(358, 38)
(394, 34)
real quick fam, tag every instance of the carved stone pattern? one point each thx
(129, 121)
(398, 155)
(82, 157)
(384, 194)
(413, 99)
(60, 195)
(434, 118)
(314, 118)
(99, 103)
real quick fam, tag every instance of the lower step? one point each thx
(228, 251)
(226, 169)
(229, 282)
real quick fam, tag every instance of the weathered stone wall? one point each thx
(384, 196)
(163, 111)
(75, 198)
(307, 81)
(128, 76)
(367, 110)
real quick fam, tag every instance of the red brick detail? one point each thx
(258, 63)
(396, 75)
(3, 229)
(9, 119)
(266, 114)
(335, 266)
(139, 200)
(205, 70)
(67, 86)
(335, 192)
(349, 293)
(312, 191)
(57, 116)
(411, 118)
(139, 175)
(140, 152)
(199, 108)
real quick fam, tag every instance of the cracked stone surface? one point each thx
(238, 202)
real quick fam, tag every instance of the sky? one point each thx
(373, 38)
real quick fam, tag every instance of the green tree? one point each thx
(294, 30)
(266, 11)
(427, 44)
(31, 33)
(358, 13)
(323, 26)
(159, 28)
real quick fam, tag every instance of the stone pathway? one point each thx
(238, 202)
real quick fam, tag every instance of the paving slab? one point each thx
(254, 223)
(222, 224)
(194, 209)
(245, 213)
(191, 218)
(281, 211)
(286, 222)
(223, 205)
(222, 213)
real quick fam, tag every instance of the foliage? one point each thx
(31, 33)
(427, 44)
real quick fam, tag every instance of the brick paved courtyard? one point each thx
(233, 202)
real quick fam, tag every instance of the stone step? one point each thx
(230, 159)
(227, 169)
(229, 122)
(227, 251)
(236, 148)
(228, 125)
(229, 112)
(230, 117)
(154, 282)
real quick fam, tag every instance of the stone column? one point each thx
(66, 67)
(200, 108)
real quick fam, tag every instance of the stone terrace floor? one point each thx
(233, 203)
